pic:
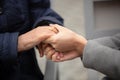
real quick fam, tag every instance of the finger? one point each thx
(46, 45)
(50, 40)
(68, 56)
(43, 48)
(47, 49)
(40, 49)
(54, 29)
(61, 55)
(50, 54)
(57, 27)
(56, 57)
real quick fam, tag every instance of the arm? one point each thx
(11, 43)
(8, 48)
(100, 54)
(103, 55)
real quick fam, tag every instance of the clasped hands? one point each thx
(54, 41)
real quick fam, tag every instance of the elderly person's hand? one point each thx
(34, 37)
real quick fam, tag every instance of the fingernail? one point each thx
(61, 55)
(58, 57)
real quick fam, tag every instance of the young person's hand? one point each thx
(65, 42)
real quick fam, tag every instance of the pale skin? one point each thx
(34, 37)
(65, 45)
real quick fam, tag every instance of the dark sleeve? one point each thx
(8, 48)
(103, 55)
(42, 14)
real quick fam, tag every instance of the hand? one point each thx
(58, 56)
(34, 37)
(42, 45)
(65, 42)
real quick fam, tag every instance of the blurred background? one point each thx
(72, 12)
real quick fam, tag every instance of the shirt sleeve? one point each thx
(8, 48)
(103, 55)
(42, 14)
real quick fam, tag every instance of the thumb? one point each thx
(55, 28)
(58, 27)
(52, 40)
(49, 40)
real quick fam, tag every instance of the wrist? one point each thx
(80, 44)
(20, 43)
(25, 42)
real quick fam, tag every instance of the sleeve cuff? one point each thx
(90, 54)
(46, 21)
(10, 48)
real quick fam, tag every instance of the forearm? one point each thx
(102, 58)
(27, 40)
(8, 48)
(24, 43)
(110, 41)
